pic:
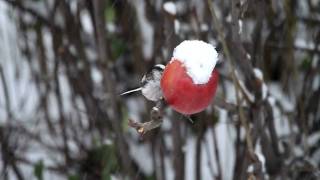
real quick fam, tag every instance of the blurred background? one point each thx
(63, 64)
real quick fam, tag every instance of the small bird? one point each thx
(150, 84)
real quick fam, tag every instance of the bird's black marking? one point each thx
(150, 73)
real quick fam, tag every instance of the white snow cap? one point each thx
(170, 7)
(198, 57)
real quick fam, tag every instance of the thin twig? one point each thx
(226, 50)
(35, 14)
(6, 93)
(245, 124)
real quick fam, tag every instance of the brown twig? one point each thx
(156, 120)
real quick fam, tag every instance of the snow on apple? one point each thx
(198, 57)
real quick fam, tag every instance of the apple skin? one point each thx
(182, 94)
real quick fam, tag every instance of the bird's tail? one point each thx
(131, 91)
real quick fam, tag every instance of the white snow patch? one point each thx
(73, 6)
(240, 26)
(190, 152)
(303, 43)
(316, 83)
(135, 107)
(264, 91)
(142, 150)
(168, 141)
(198, 57)
(228, 18)
(262, 159)
(281, 121)
(108, 141)
(169, 169)
(170, 7)
(226, 136)
(298, 151)
(314, 138)
(276, 91)
(248, 56)
(111, 27)
(204, 27)
(314, 2)
(230, 92)
(208, 158)
(250, 169)
(315, 62)
(258, 73)
(114, 177)
(166, 125)
(86, 22)
(272, 101)
(315, 157)
(96, 75)
(176, 26)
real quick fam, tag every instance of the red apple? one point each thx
(182, 94)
